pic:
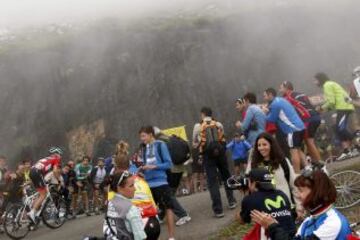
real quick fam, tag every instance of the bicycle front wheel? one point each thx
(54, 213)
(347, 185)
(16, 222)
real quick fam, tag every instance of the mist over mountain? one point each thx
(161, 67)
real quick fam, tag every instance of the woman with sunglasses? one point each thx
(123, 220)
(317, 194)
(142, 197)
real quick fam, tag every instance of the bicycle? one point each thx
(52, 211)
(354, 228)
(347, 184)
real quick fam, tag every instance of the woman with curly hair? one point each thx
(267, 154)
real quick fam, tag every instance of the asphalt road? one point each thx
(202, 226)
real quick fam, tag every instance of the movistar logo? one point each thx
(269, 203)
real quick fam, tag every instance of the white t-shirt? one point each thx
(357, 86)
(100, 175)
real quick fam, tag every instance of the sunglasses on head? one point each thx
(124, 175)
(240, 100)
(307, 173)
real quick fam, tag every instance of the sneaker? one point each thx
(88, 213)
(161, 221)
(355, 152)
(183, 220)
(97, 211)
(232, 205)
(32, 227)
(219, 215)
(344, 156)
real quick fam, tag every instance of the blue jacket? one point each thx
(108, 162)
(284, 115)
(330, 225)
(254, 115)
(239, 150)
(157, 154)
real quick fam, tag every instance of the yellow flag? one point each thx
(177, 131)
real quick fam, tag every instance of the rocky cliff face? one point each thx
(160, 71)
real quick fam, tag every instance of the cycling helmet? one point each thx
(54, 150)
(356, 71)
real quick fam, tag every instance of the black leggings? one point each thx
(342, 131)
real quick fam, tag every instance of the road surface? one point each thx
(202, 226)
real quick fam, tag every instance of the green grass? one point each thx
(234, 231)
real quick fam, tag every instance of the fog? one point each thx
(24, 13)
(68, 63)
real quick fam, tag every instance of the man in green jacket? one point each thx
(336, 98)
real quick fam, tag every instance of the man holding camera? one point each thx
(265, 198)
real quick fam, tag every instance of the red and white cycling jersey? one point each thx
(47, 164)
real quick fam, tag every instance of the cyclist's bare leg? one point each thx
(195, 181)
(85, 200)
(202, 181)
(96, 199)
(105, 197)
(37, 204)
(296, 159)
(312, 149)
(243, 168)
(346, 144)
(237, 170)
(74, 202)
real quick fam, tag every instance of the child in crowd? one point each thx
(239, 148)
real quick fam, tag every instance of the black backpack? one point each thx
(178, 148)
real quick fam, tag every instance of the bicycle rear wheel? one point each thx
(347, 185)
(54, 213)
(16, 222)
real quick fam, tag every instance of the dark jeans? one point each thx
(213, 166)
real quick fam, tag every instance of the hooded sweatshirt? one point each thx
(155, 153)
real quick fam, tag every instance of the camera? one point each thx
(238, 182)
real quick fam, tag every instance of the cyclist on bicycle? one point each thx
(37, 173)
